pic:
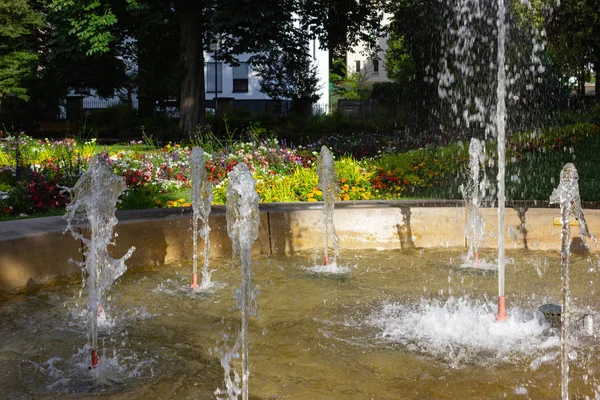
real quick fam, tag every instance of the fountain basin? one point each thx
(407, 322)
(35, 251)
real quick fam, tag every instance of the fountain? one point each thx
(94, 197)
(567, 196)
(501, 142)
(242, 227)
(328, 184)
(202, 197)
(473, 193)
(405, 316)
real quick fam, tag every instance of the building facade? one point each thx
(240, 86)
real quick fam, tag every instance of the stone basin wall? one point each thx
(34, 251)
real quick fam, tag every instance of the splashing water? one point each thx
(94, 197)
(477, 86)
(202, 198)
(462, 331)
(328, 184)
(242, 227)
(567, 196)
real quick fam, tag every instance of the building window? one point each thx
(375, 66)
(240, 78)
(357, 66)
(214, 72)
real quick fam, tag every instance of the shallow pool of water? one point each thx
(410, 324)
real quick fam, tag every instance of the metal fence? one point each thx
(264, 106)
(366, 107)
(95, 104)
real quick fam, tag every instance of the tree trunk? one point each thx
(597, 86)
(581, 84)
(192, 101)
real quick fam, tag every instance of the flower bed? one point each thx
(33, 173)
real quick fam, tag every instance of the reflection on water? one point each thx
(407, 324)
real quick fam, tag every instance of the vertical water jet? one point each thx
(242, 227)
(202, 198)
(567, 196)
(94, 197)
(501, 139)
(328, 185)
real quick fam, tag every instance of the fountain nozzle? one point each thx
(194, 284)
(94, 358)
(325, 261)
(476, 255)
(501, 316)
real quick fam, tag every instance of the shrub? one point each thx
(39, 191)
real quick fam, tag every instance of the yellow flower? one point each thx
(310, 199)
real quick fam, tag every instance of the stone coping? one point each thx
(33, 251)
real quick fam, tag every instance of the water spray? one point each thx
(242, 227)
(202, 198)
(328, 185)
(94, 198)
(567, 196)
(501, 138)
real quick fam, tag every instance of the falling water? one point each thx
(567, 196)
(473, 193)
(94, 197)
(242, 227)
(501, 139)
(328, 184)
(202, 198)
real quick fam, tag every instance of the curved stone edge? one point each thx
(34, 251)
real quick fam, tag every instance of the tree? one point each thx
(18, 50)
(573, 33)
(288, 74)
(242, 27)
(417, 24)
(341, 24)
(351, 85)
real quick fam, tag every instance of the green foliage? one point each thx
(399, 64)
(288, 188)
(354, 178)
(115, 122)
(353, 85)
(90, 21)
(139, 197)
(573, 39)
(18, 51)
(287, 74)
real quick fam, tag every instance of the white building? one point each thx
(241, 83)
(358, 59)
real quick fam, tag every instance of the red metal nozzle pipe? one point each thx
(194, 284)
(94, 358)
(501, 316)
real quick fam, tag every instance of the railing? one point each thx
(361, 108)
(94, 104)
